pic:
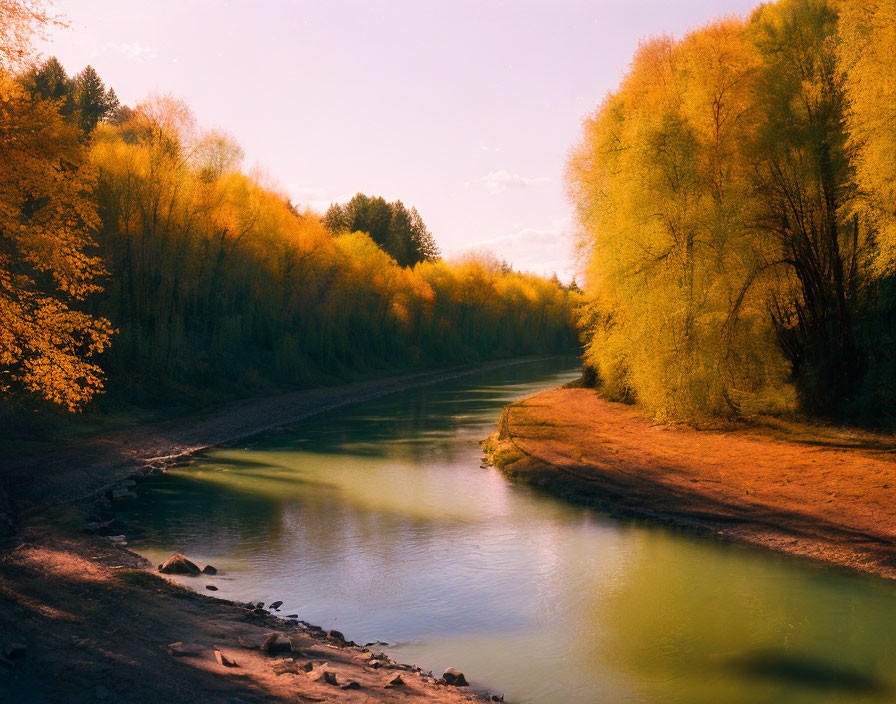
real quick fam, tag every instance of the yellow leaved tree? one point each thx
(867, 34)
(45, 220)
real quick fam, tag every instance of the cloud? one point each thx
(499, 181)
(131, 50)
(318, 199)
(543, 251)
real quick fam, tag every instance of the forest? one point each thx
(735, 198)
(139, 258)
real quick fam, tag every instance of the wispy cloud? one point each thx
(544, 250)
(499, 181)
(318, 199)
(131, 50)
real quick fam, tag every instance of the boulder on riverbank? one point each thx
(455, 678)
(178, 564)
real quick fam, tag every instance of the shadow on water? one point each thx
(803, 671)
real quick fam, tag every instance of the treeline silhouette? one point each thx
(735, 197)
(187, 273)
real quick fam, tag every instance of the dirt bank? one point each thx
(98, 627)
(822, 493)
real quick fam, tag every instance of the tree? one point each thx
(50, 81)
(45, 271)
(663, 200)
(867, 33)
(216, 154)
(398, 231)
(20, 20)
(94, 103)
(802, 179)
(422, 245)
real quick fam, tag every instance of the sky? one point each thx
(465, 109)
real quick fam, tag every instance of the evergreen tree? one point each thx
(50, 81)
(398, 231)
(93, 101)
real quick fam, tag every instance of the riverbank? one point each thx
(822, 493)
(89, 466)
(97, 622)
(83, 620)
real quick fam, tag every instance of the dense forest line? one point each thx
(137, 256)
(736, 202)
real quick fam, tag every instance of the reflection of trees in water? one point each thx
(421, 424)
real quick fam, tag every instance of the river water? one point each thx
(377, 520)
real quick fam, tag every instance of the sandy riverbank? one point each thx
(97, 621)
(98, 626)
(823, 493)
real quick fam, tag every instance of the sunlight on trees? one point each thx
(865, 51)
(46, 338)
(728, 244)
(212, 278)
(217, 277)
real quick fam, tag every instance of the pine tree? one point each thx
(93, 102)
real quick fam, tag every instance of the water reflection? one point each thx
(377, 520)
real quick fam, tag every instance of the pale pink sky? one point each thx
(465, 109)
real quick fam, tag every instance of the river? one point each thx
(377, 520)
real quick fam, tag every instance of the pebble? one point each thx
(223, 660)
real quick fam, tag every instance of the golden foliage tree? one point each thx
(731, 195)
(866, 49)
(45, 216)
(660, 185)
(217, 277)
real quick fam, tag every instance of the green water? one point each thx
(377, 520)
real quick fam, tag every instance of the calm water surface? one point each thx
(378, 520)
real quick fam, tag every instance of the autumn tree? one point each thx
(802, 180)
(661, 186)
(867, 37)
(46, 272)
(731, 196)
(20, 21)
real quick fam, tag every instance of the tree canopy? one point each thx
(399, 231)
(46, 269)
(731, 195)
